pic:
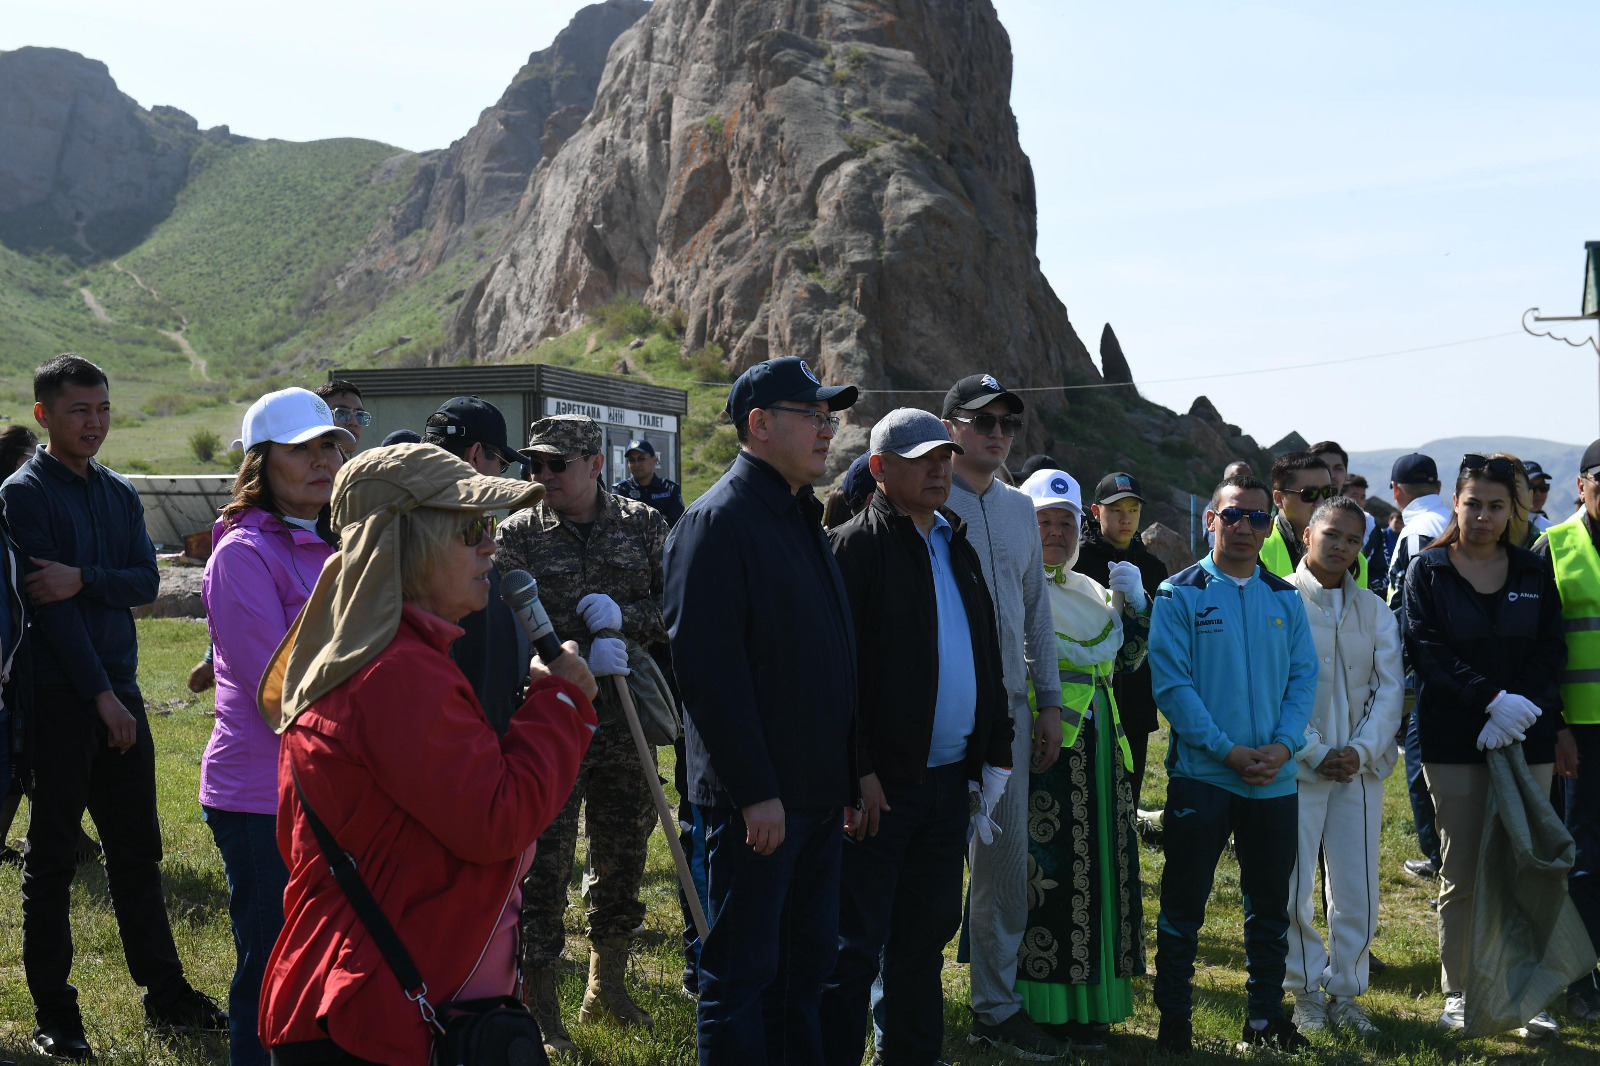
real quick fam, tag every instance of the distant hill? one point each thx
(1560, 461)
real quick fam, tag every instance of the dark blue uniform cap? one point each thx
(777, 380)
(1413, 469)
(640, 446)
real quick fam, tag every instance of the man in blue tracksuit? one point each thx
(1235, 673)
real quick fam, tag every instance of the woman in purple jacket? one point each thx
(266, 552)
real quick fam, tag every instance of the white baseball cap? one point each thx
(1054, 488)
(289, 416)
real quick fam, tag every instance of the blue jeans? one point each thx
(1195, 828)
(257, 879)
(1421, 799)
(899, 903)
(1583, 822)
(774, 936)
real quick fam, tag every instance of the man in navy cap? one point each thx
(493, 651)
(1414, 480)
(1539, 493)
(643, 485)
(764, 652)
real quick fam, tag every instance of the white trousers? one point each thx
(998, 914)
(1342, 822)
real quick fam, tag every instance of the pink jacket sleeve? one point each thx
(244, 611)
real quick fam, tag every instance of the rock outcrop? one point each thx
(83, 167)
(835, 179)
(1113, 364)
(480, 177)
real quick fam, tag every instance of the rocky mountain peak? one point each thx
(835, 179)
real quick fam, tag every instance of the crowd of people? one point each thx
(948, 672)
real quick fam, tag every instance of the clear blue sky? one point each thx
(1233, 186)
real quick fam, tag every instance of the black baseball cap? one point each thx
(1413, 469)
(1118, 486)
(975, 391)
(1535, 471)
(476, 421)
(776, 380)
(640, 445)
(1035, 463)
(1591, 458)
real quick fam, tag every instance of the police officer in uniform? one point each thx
(597, 558)
(642, 484)
(1573, 549)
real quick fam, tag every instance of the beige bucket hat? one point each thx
(354, 610)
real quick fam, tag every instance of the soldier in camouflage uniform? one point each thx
(597, 558)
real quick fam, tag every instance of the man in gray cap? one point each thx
(597, 558)
(934, 722)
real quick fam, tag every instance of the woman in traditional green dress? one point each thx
(1085, 935)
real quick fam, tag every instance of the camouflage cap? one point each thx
(563, 435)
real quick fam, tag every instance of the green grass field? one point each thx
(1404, 1001)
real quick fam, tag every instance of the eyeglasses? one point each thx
(1313, 493)
(818, 418)
(984, 423)
(1232, 516)
(1471, 463)
(473, 532)
(557, 466)
(350, 416)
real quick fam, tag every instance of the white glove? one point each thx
(1124, 578)
(600, 611)
(983, 799)
(608, 657)
(1495, 736)
(1513, 713)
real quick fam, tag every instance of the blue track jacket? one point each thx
(1232, 665)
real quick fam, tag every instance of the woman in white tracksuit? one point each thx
(1349, 750)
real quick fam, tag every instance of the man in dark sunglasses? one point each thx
(597, 558)
(983, 418)
(1300, 482)
(1235, 673)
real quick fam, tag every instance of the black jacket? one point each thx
(1464, 654)
(761, 645)
(493, 652)
(884, 560)
(16, 698)
(1136, 701)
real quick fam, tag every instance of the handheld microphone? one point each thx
(521, 593)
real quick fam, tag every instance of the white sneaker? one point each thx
(1348, 1015)
(1540, 1027)
(1455, 1012)
(1310, 1015)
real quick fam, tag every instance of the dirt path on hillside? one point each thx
(94, 304)
(197, 364)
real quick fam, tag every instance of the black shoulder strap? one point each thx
(365, 906)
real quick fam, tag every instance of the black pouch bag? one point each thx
(497, 1031)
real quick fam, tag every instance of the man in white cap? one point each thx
(984, 419)
(934, 722)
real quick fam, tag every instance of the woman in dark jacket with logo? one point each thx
(1484, 634)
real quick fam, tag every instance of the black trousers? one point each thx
(74, 770)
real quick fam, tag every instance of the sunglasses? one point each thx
(1232, 516)
(1311, 493)
(557, 466)
(984, 423)
(473, 532)
(1471, 463)
(349, 416)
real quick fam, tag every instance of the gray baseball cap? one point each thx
(910, 433)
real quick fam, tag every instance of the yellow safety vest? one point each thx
(1078, 686)
(1577, 567)
(1275, 557)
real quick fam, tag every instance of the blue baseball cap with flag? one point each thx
(777, 380)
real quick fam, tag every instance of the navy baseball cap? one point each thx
(1535, 471)
(975, 391)
(640, 446)
(776, 380)
(859, 484)
(477, 421)
(1413, 469)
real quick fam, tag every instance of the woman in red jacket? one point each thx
(393, 752)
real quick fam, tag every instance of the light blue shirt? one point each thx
(955, 709)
